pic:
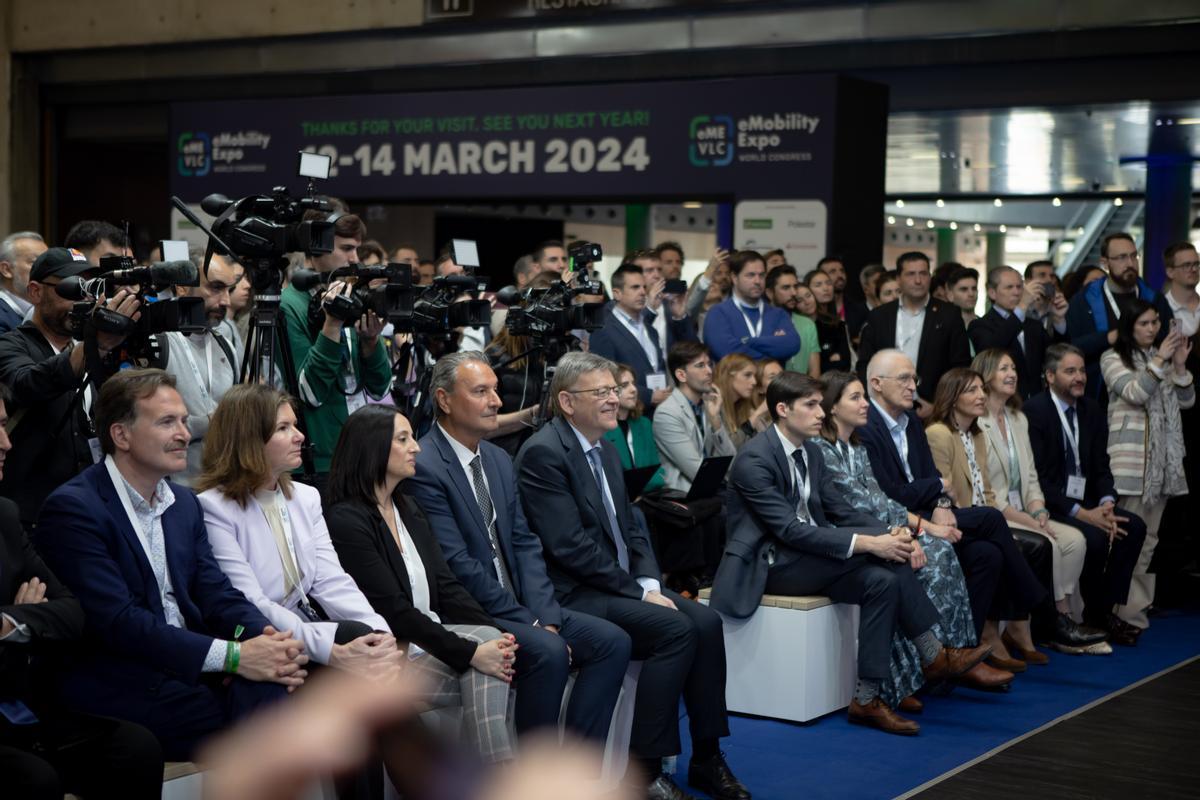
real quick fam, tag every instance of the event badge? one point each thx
(1014, 500)
(1076, 486)
(656, 380)
(97, 451)
(355, 401)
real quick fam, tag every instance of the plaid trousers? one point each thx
(484, 698)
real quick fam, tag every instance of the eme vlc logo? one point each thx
(195, 154)
(711, 141)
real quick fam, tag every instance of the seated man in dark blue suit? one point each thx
(601, 563)
(163, 621)
(791, 533)
(629, 337)
(1078, 485)
(1000, 583)
(468, 491)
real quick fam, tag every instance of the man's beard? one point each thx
(1126, 279)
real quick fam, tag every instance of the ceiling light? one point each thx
(1004, 229)
(997, 202)
(891, 220)
(899, 204)
(1118, 202)
(941, 203)
(978, 227)
(1056, 202)
(909, 222)
(1079, 231)
(953, 226)
(1029, 229)
(929, 224)
(693, 204)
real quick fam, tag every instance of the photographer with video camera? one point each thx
(205, 363)
(338, 366)
(45, 367)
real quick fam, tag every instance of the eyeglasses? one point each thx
(599, 393)
(915, 380)
(1123, 257)
(1189, 266)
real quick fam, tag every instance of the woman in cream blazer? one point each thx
(1017, 492)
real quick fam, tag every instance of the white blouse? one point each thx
(416, 569)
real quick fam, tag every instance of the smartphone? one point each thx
(1048, 290)
(675, 287)
(1173, 325)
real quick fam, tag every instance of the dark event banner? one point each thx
(492, 10)
(747, 137)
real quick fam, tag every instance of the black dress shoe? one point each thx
(1070, 634)
(1122, 633)
(714, 777)
(663, 788)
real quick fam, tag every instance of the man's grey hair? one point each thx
(571, 367)
(523, 266)
(445, 373)
(993, 276)
(877, 365)
(1055, 353)
(8, 247)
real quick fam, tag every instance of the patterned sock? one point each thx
(866, 690)
(928, 646)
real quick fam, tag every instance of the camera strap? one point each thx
(186, 348)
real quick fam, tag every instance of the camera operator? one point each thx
(472, 338)
(17, 252)
(96, 239)
(205, 365)
(337, 366)
(44, 367)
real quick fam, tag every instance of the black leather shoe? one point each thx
(714, 777)
(1122, 633)
(1068, 633)
(663, 788)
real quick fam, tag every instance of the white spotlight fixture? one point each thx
(1004, 229)
(941, 203)
(929, 223)
(1118, 202)
(909, 222)
(953, 226)
(899, 204)
(891, 220)
(978, 227)
(1056, 202)
(998, 202)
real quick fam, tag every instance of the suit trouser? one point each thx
(1067, 551)
(484, 698)
(1141, 585)
(887, 593)
(91, 756)
(683, 653)
(599, 650)
(999, 580)
(1104, 582)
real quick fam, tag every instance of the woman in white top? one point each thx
(1018, 494)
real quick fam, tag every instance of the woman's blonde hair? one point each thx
(235, 456)
(736, 409)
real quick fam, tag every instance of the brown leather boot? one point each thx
(876, 714)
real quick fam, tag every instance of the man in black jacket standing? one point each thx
(600, 561)
(45, 368)
(44, 750)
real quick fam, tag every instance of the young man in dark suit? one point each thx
(1078, 486)
(929, 331)
(163, 622)
(468, 491)
(1011, 324)
(791, 533)
(44, 749)
(601, 563)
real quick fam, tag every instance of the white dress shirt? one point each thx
(788, 449)
(1189, 319)
(898, 429)
(909, 325)
(637, 327)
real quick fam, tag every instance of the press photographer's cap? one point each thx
(59, 262)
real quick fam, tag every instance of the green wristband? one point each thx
(233, 654)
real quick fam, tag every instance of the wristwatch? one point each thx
(944, 501)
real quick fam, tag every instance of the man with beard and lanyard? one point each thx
(205, 365)
(1094, 312)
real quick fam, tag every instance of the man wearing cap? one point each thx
(44, 366)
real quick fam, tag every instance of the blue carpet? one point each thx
(831, 758)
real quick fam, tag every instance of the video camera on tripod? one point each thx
(434, 310)
(552, 313)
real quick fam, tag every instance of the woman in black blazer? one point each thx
(385, 543)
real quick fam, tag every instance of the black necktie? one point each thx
(801, 502)
(1072, 467)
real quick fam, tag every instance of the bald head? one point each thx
(891, 379)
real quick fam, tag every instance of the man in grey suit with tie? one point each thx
(791, 533)
(467, 489)
(689, 426)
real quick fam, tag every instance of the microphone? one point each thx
(306, 279)
(163, 273)
(467, 283)
(510, 295)
(215, 204)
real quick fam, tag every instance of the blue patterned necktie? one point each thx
(593, 457)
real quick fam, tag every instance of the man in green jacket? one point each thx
(338, 367)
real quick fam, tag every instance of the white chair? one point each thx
(616, 747)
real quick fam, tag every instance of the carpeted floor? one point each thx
(830, 758)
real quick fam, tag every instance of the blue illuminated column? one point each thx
(1168, 194)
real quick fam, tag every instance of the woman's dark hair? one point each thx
(640, 408)
(836, 383)
(360, 460)
(1124, 345)
(949, 389)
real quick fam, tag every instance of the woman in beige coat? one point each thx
(1018, 494)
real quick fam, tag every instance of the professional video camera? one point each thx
(547, 313)
(157, 314)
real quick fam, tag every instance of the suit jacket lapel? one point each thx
(503, 522)
(579, 463)
(997, 442)
(928, 328)
(889, 325)
(875, 418)
(391, 549)
(117, 510)
(631, 341)
(459, 479)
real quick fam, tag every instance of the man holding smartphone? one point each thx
(1011, 324)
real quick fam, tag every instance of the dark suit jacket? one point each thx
(856, 316)
(616, 343)
(443, 492)
(565, 509)
(54, 622)
(918, 495)
(1049, 451)
(761, 515)
(993, 330)
(943, 343)
(9, 319)
(370, 555)
(87, 540)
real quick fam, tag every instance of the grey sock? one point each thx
(928, 646)
(865, 691)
